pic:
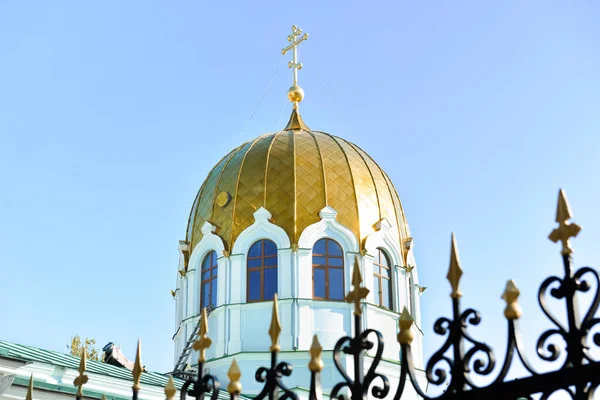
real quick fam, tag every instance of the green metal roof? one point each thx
(29, 353)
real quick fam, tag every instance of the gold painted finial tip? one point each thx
(316, 363)
(29, 395)
(137, 367)
(203, 342)
(405, 315)
(511, 294)
(454, 271)
(358, 292)
(563, 209)
(234, 374)
(170, 389)
(405, 335)
(566, 230)
(275, 328)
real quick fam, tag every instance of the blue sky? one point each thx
(112, 113)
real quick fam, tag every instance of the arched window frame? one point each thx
(329, 266)
(209, 280)
(264, 263)
(209, 242)
(382, 277)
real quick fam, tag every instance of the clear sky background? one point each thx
(112, 113)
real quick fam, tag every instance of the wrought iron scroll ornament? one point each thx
(459, 361)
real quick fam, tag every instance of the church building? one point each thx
(288, 213)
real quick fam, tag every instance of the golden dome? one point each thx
(294, 174)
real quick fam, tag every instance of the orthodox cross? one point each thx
(295, 41)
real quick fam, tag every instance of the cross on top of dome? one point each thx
(295, 93)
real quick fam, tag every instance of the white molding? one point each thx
(262, 228)
(328, 227)
(384, 238)
(210, 241)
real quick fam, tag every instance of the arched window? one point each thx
(262, 271)
(209, 281)
(328, 270)
(382, 282)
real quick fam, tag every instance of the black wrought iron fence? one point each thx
(456, 365)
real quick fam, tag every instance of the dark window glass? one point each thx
(336, 284)
(320, 247)
(333, 248)
(335, 262)
(328, 270)
(319, 283)
(319, 261)
(254, 286)
(205, 295)
(255, 262)
(382, 278)
(270, 283)
(385, 295)
(262, 271)
(270, 248)
(271, 261)
(256, 249)
(209, 280)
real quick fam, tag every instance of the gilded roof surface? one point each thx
(294, 174)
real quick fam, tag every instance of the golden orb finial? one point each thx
(295, 94)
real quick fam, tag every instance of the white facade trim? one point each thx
(262, 228)
(328, 227)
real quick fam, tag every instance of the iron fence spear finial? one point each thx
(358, 293)
(455, 271)
(137, 369)
(235, 386)
(405, 335)
(315, 366)
(275, 328)
(316, 363)
(511, 294)
(170, 389)
(203, 341)
(565, 230)
(82, 378)
(29, 395)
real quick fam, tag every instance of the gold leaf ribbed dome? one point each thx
(294, 174)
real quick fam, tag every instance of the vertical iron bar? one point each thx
(574, 339)
(274, 392)
(457, 383)
(315, 386)
(358, 359)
